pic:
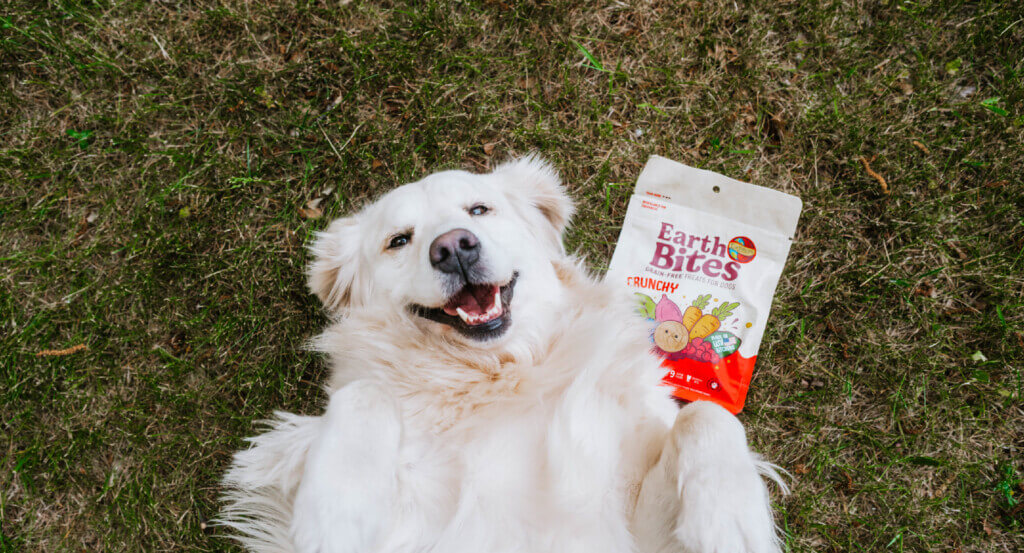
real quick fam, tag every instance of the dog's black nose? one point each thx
(455, 251)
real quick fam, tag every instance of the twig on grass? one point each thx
(876, 176)
(161, 47)
(338, 151)
(62, 352)
(330, 108)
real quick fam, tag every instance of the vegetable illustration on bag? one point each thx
(689, 334)
(716, 246)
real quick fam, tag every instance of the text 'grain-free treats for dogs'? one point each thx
(702, 254)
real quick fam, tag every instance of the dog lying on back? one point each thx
(488, 395)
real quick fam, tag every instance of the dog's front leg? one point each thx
(346, 499)
(706, 493)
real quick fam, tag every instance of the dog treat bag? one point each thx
(701, 254)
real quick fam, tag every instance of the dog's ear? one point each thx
(534, 180)
(335, 258)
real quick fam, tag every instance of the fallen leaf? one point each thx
(526, 82)
(956, 249)
(310, 213)
(489, 148)
(849, 481)
(83, 227)
(801, 469)
(812, 384)
(965, 91)
(376, 164)
(925, 288)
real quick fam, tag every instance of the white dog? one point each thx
(487, 395)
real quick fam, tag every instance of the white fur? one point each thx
(554, 437)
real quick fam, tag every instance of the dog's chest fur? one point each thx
(540, 430)
(440, 384)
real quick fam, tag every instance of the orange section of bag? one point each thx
(726, 382)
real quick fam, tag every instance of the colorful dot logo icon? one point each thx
(742, 249)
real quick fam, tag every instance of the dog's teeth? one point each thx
(491, 314)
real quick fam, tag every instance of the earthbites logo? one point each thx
(677, 252)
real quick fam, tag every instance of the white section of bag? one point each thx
(688, 186)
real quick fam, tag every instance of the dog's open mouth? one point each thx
(479, 311)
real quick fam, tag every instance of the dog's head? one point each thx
(450, 250)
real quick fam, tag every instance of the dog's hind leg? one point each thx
(706, 493)
(261, 483)
(347, 497)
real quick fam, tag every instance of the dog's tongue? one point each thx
(474, 299)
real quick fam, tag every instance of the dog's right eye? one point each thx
(398, 241)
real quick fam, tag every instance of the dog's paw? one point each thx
(724, 502)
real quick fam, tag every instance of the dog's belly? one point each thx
(517, 482)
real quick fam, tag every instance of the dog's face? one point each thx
(449, 250)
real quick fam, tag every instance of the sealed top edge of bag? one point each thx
(711, 192)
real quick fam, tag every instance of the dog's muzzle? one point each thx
(478, 311)
(476, 306)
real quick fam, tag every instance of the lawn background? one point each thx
(158, 160)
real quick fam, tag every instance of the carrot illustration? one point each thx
(707, 324)
(693, 313)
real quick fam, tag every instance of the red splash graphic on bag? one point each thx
(701, 356)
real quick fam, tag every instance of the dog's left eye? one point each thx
(398, 241)
(478, 209)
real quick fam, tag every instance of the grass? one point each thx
(155, 157)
